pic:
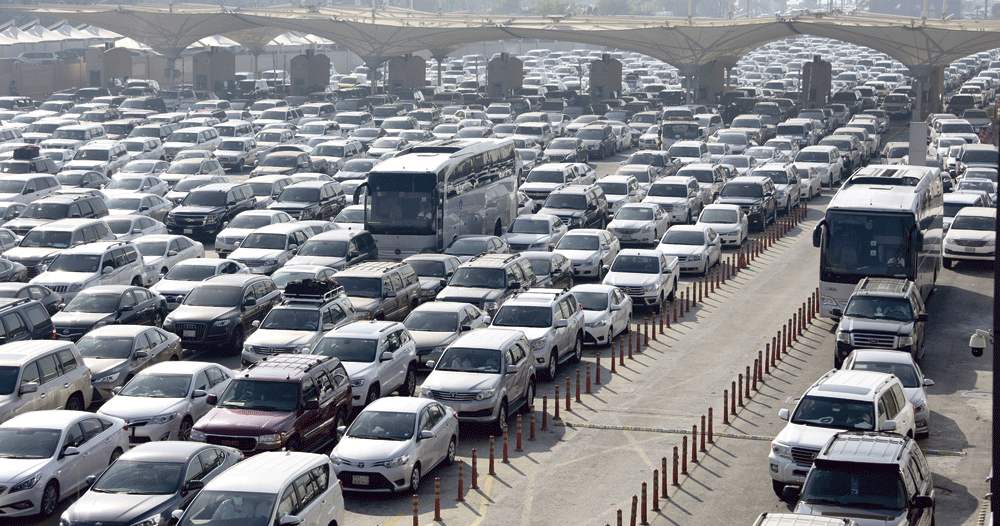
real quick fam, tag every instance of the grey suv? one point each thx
(381, 290)
(553, 322)
(578, 206)
(756, 197)
(882, 313)
(488, 280)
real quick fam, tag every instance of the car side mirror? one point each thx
(390, 294)
(922, 316)
(353, 254)
(199, 393)
(30, 387)
(136, 230)
(172, 253)
(616, 308)
(790, 493)
(889, 425)
(922, 501)
(563, 323)
(212, 399)
(193, 485)
(511, 369)
(430, 364)
(514, 285)
(606, 268)
(783, 414)
(70, 452)
(289, 520)
(250, 302)
(141, 354)
(255, 324)
(89, 481)
(425, 434)
(836, 313)
(107, 270)
(311, 405)
(116, 390)
(329, 327)
(176, 515)
(386, 356)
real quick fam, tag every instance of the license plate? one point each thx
(188, 230)
(970, 249)
(231, 443)
(188, 334)
(359, 480)
(626, 238)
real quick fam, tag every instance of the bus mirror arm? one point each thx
(818, 232)
(918, 240)
(357, 192)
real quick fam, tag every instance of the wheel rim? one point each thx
(502, 416)
(50, 498)
(451, 451)
(578, 350)
(184, 433)
(530, 398)
(74, 404)
(411, 382)
(372, 396)
(114, 456)
(415, 479)
(552, 366)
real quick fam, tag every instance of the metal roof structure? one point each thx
(379, 34)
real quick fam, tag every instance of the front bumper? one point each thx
(22, 503)
(597, 335)
(373, 478)
(466, 407)
(141, 431)
(972, 253)
(787, 471)
(636, 236)
(584, 269)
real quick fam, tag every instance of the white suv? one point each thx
(553, 322)
(52, 376)
(380, 357)
(106, 157)
(649, 277)
(93, 264)
(839, 401)
(276, 487)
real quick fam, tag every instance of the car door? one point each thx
(427, 450)
(619, 317)
(142, 353)
(520, 357)
(95, 447)
(73, 470)
(310, 421)
(48, 395)
(560, 313)
(714, 246)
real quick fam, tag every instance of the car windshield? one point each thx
(382, 425)
(684, 151)
(151, 248)
(635, 214)
(283, 277)
(124, 203)
(545, 175)
(579, 242)
(718, 216)
(820, 157)
(636, 265)
(358, 165)
(27, 443)
(221, 508)
(281, 161)
(105, 347)
(971, 222)
(466, 247)
(260, 395)
(91, 155)
(982, 184)
(428, 269)
(183, 137)
(836, 413)
(139, 167)
(140, 478)
(529, 226)
(614, 188)
(905, 372)
(854, 488)
(231, 146)
(490, 278)
(523, 316)
(361, 287)
(461, 359)
(283, 319)
(739, 161)
(190, 273)
(594, 301)
(299, 195)
(879, 308)
(318, 247)
(683, 237)
(348, 349)
(69, 178)
(353, 215)
(668, 190)
(566, 201)
(11, 186)
(214, 296)
(265, 241)
(130, 183)
(157, 386)
(73, 135)
(186, 185)
(432, 321)
(75, 263)
(211, 199)
(45, 238)
(742, 190)
(184, 168)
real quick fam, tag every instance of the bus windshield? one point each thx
(863, 244)
(400, 203)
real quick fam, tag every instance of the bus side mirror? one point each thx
(918, 241)
(818, 233)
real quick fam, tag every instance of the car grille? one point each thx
(252, 262)
(375, 480)
(452, 396)
(518, 248)
(874, 339)
(198, 328)
(132, 439)
(970, 243)
(633, 291)
(71, 332)
(537, 195)
(241, 443)
(565, 220)
(22, 230)
(260, 349)
(188, 220)
(58, 288)
(179, 298)
(31, 266)
(804, 455)
(627, 231)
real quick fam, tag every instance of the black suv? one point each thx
(96, 307)
(220, 311)
(24, 319)
(755, 196)
(882, 313)
(56, 207)
(311, 200)
(207, 208)
(488, 280)
(578, 206)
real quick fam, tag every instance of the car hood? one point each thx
(822, 166)
(331, 160)
(238, 233)
(99, 366)
(62, 277)
(971, 235)
(680, 250)
(332, 262)
(358, 369)
(255, 253)
(861, 516)
(430, 340)
(273, 170)
(578, 256)
(76, 319)
(723, 228)
(368, 449)
(15, 470)
(562, 212)
(806, 436)
(196, 314)
(559, 152)
(363, 304)
(171, 287)
(525, 239)
(117, 508)
(458, 293)
(590, 316)
(291, 205)
(197, 210)
(739, 200)
(665, 200)
(8, 197)
(629, 223)
(62, 144)
(243, 422)
(459, 381)
(884, 326)
(274, 338)
(22, 223)
(630, 279)
(31, 252)
(539, 187)
(133, 407)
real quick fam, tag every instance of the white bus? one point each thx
(421, 200)
(885, 221)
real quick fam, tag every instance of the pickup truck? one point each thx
(648, 276)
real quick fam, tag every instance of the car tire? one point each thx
(75, 403)
(236, 343)
(409, 386)
(577, 349)
(501, 422)
(779, 488)
(529, 397)
(415, 478)
(292, 445)
(550, 370)
(658, 308)
(50, 499)
(136, 281)
(449, 457)
(373, 394)
(947, 262)
(158, 319)
(184, 432)
(114, 455)
(338, 421)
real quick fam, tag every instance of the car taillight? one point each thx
(53, 332)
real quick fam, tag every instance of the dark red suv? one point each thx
(287, 401)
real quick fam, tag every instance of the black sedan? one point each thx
(567, 150)
(149, 482)
(43, 294)
(553, 270)
(109, 304)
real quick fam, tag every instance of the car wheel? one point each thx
(947, 262)
(415, 478)
(184, 432)
(409, 386)
(334, 434)
(114, 455)
(158, 319)
(529, 397)
(49, 500)
(611, 335)
(550, 370)
(242, 166)
(659, 305)
(788, 208)
(578, 349)
(236, 344)
(373, 393)
(688, 220)
(75, 403)
(779, 488)
(449, 457)
(136, 282)
(501, 421)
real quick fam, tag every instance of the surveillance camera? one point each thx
(977, 343)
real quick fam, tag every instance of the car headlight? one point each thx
(398, 461)
(213, 218)
(843, 337)
(490, 305)
(75, 287)
(649, 288)
(27, 483)
(197, 436)
(270, 261)
(168, 321)
(599, 323)
(269, 440)
(576, 221)
(537, 345)
(99, 324)
(921, 407)
(222, 323)
(592, 261)
(906, 340)
(438, 350)
(302, 349)
(542, 244)
(781, 450)
(358, 382)
(648, 228)
(163, 419)
(694, 257)
(425, 392)
(152, 520)
(108, 378)
(486, 394)
(991, 242)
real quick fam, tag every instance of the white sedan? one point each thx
(726, 220)
(161, 252)
(607, 312)
(394, 442)
(127, 228)
(50, 454)
(164, 400)
(697, 248)
(590, 250)
(640, 223)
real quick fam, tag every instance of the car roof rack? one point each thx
(311, 291)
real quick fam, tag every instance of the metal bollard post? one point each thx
(578, 386)
(663, 477)
(747, 394)
(556, 404)
(643, 517)
(568, 410)
(656, 490)
(694, 294)
(545, 413)
(635, 501)
(739, 391)
(531, 425)
(506, 439)
(461, 481)
(629, 345)
(694, 443)
(675, 482)
(492, 454)
(619, 517)
(767, 358)
(701, 447)
(597, 380)
(732, 400)
(621, 351)
(475, 471)
(664, 314)
(755, 364)
(437, 499)
(588, 377)
(784, 338)
(684, 455)
(416, 511)
(725, 406)
(517, 446)
(710, 441)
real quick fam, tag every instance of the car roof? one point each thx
(281, 468)
(441, 306)
(399, 404)
(179, 367)
(718, 206)
(980, 211)
(119, 330)
(20, 352)
(851, 384)
(487, 338)
(172, 451)
(47, 419)
(878, 355)
(366, 329)
(231, 279)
